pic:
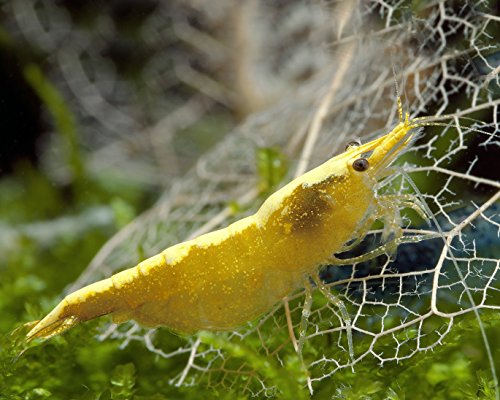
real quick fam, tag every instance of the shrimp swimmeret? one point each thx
(223, 279)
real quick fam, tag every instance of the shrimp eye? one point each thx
(361, 164)
(353, 143)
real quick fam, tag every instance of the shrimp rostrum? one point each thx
(223, 279)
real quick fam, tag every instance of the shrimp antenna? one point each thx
(398, 95)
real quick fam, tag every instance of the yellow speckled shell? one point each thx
(226, 278)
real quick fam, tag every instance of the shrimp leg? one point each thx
(343, 311)
(388, 247)
(306, 312)
(304, 322)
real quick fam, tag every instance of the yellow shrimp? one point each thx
(223, 279)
